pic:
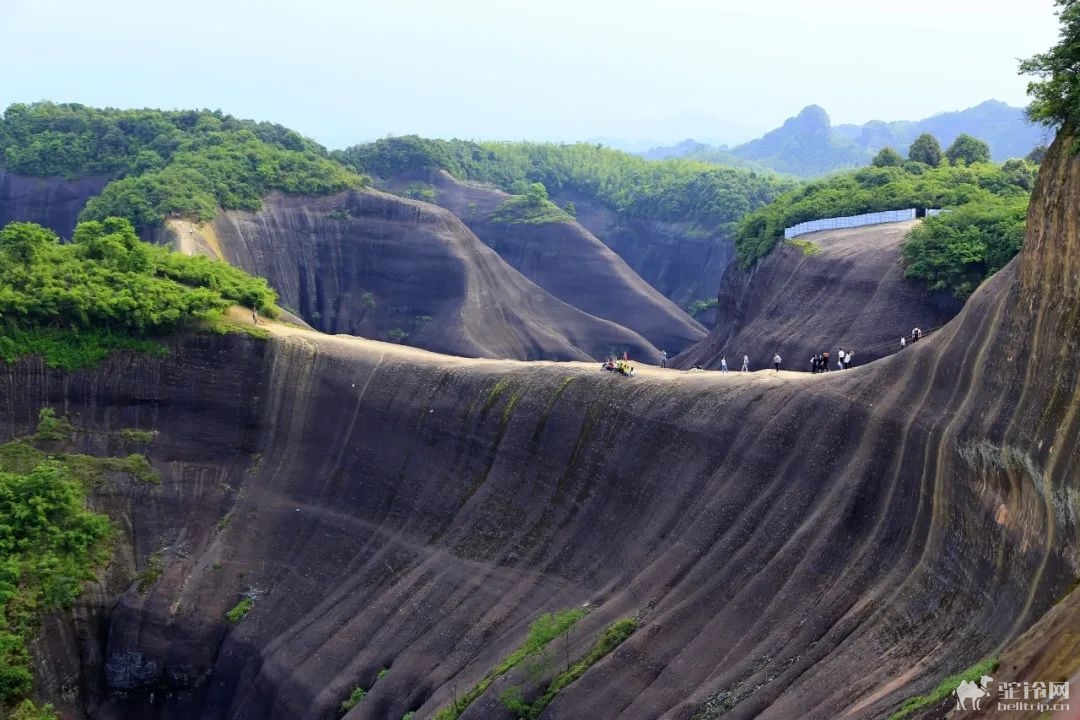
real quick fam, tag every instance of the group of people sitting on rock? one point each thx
(623, 367)
(819, 363)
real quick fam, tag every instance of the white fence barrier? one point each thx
(850, 221)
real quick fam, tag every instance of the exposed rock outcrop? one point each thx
(570, 263)
(847, 291)
(794, 546)
(375, 265)
(54, 203)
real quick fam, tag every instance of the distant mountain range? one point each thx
(808, 145)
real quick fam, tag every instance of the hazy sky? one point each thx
(345, 71)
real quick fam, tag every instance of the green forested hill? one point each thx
(955, 251)
(669, 190)
(73, 303)
(162, 162)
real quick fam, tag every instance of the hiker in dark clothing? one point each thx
(825, 361)
(813, 364)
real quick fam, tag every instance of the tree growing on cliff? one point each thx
(1055, 95)
(968, 149)
(926, 150)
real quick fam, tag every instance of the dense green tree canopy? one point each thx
(1056, 93)
(887, 157)
(957, 250)
(968, 150)
(706, 195)
(876, 189)
(182, 162)
(926, 150)
(108, 281)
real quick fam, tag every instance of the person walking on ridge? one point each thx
(840, 359)
(663, 358)
(903, 342)
(745, 363)
(848, 359)
(825, 361)
(776, 361)
(723, 364)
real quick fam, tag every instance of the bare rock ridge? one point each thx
(51, 202)
(371, 264)
(848, 292)
(794, 545)
(572, 264)
(676, 259)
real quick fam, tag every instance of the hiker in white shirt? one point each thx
(776, 361)
(723, 364)
(745, 363)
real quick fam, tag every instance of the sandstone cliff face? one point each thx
(813, 546)
(54, 203)
(677, 259)
(375, 265)
(850, 293)
(572, 264)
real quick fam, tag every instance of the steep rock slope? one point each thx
(54, 203)
(794, 545)
(371, 264)
(849, 292)
(571, 263)
(679, 260)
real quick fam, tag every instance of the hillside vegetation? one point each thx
(707, 196)
(531, 208)
(105, 290)
(50, 541)
(1002, 189)
(161, 163)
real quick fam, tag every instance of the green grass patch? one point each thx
(527, 210)
(228, 326)
(71, 349)
(508, 411)
(493, 395)
(420, 191)
(27, 710)
(140, 437)
(354, 699)
(240, 609)
(543, 630)
(150, 574)
(612, 637)
(944, 689)
(700, 306)
(808, 248)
